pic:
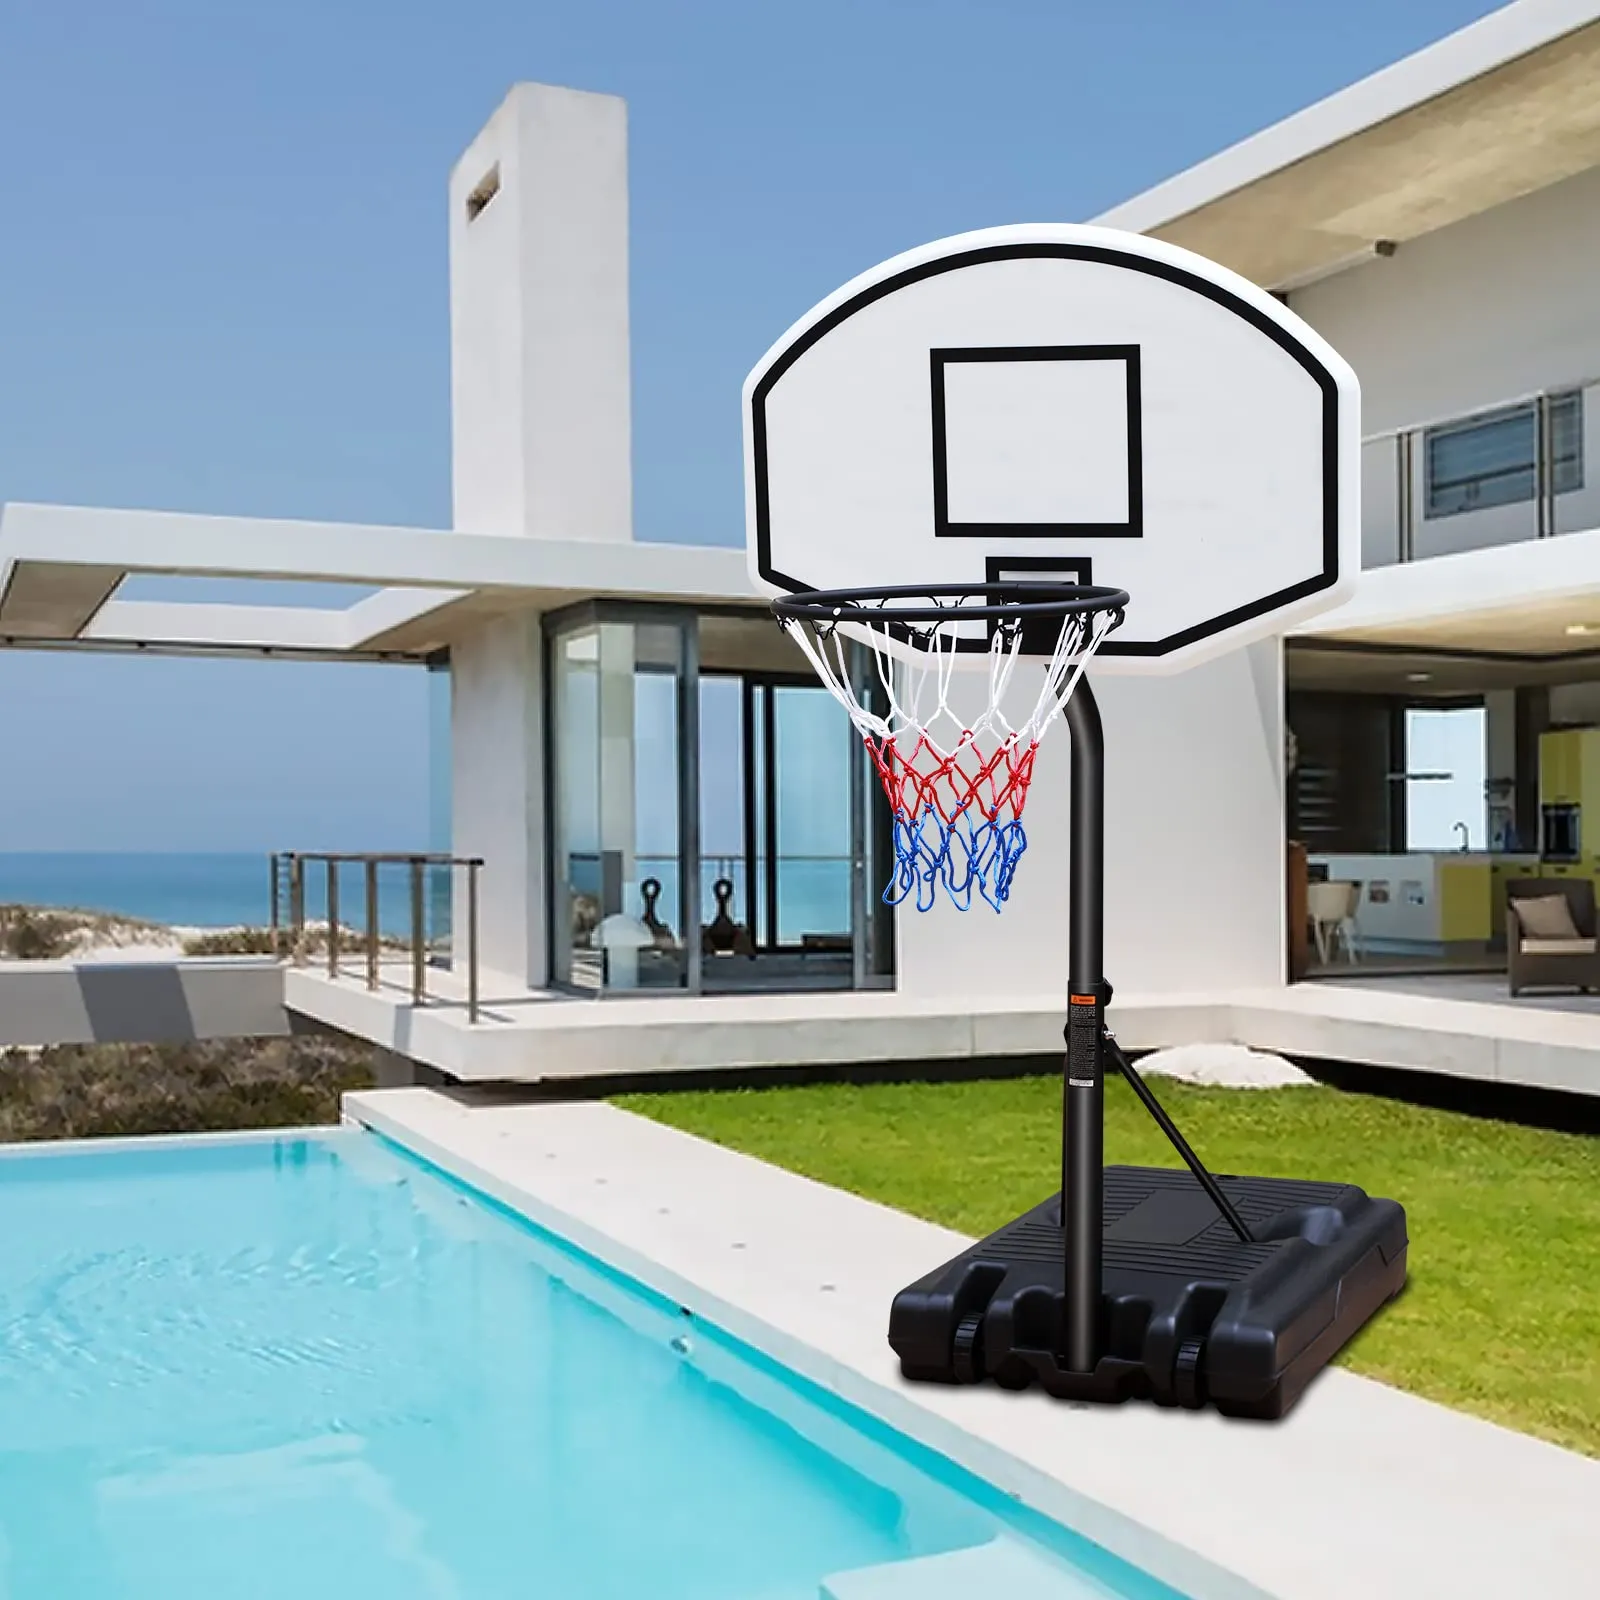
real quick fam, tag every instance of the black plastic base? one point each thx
(1189, 1314)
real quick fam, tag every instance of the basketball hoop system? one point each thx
(956, 786)
(1005, 417)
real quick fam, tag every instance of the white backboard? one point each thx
(1062, 400)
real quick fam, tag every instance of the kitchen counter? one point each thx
(1428, 902)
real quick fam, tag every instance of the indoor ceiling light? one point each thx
(1418, 677)
(1581, 630)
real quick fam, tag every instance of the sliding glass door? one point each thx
(782, 825)
(713, 827)
(622, 910)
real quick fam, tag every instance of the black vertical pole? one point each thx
(769, 808)
(1083, 1113)
(752, 850)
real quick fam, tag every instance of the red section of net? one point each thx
(926, 779)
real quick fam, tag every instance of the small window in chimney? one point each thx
(487, 188)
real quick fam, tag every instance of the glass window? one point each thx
(1492, 460)
(775, 821)
(440, 878)
(575, 728)
(439, 824)
(653, 891)
(737, 873)
(725, 788)
(1446, 765)
(813, 750)
(617, 851)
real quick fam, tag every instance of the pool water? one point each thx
(316, 1367)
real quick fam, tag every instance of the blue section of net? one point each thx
(960, 857)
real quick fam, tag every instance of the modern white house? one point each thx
(633, 745)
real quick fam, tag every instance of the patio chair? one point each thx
(1545, 949)
(1332, 906)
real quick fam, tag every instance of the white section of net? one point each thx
(919, 713)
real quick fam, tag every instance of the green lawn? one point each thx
(1502, 1313)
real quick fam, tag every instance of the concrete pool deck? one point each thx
(1362, 1490)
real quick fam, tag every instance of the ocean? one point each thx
(199, 891)
(190, 891)
(233, 890)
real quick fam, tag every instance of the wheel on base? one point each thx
(966, 1356)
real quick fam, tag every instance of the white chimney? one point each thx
(539, 320)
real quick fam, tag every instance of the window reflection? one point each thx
(617, 851)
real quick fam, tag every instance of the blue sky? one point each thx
(223, 288)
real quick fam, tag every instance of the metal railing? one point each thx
(290, 937)
(1551, 491)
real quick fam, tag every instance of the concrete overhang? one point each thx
(1524, 613)
(46, 599)
(60, 567)
(1499, 109)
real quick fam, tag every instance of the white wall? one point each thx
(1194, 849)
(140, 1002)
(539, 320)
(497, 792)
(1485, 311)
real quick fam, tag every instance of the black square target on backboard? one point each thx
(1036, 441)
(1039, 634)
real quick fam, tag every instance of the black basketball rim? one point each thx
(894, 604)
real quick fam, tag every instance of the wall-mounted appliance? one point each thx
(1561, 832)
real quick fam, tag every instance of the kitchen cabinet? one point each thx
(1465, 900)
(1569, 775)
(1561, 767)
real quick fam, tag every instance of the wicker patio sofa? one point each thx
(1543, 949)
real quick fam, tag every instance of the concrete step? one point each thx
(1003, 1569)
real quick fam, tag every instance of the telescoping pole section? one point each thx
(1083, 1112)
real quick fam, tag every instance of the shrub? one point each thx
(76, 1091)
(231, 942)
(258, 941)
(28, 934)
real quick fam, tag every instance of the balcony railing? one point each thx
(1516, 470)
(292, 930)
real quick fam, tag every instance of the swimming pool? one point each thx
(314, 1365)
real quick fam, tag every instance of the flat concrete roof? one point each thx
(1496, 617)
(1529, 611)
(1498, 109)
(60, 568)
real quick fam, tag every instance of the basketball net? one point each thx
(956, 788)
